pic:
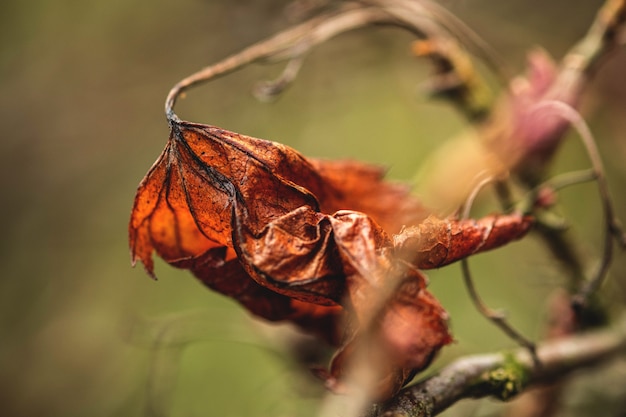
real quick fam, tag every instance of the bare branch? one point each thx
(424, 19)
(504, 375)
(285, 45)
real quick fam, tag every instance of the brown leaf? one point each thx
(183, 210)
(229, 278)
(360, 187)
(308, 241)
(174, 215)
(401, 340)
(439, 242)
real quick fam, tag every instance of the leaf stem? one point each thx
(288, 44)
(425, 19)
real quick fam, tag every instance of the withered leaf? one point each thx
(309, 241)
(437, 242)
(184, 205)
(401, 340)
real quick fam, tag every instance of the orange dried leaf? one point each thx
(438, 242)
(184, 204)
(307, 241)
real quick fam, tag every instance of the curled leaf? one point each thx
(321, 244)
(435, 242)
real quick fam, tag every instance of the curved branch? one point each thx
(503, 375)
(612, 227)
(292, 44)
(286, 45)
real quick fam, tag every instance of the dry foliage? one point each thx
(322, 244)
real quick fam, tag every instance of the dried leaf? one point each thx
(435, 242)
(307, 241)
(401, 340)
(173, 215)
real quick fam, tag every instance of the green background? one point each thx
(83, 86)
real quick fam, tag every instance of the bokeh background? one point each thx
(83, 85)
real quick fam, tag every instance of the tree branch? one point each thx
(425, 19)
(504, 375)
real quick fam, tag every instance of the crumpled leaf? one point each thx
(173, 215)
(318, 243)
(402, 339)
(435, 242)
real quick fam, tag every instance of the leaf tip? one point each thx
(148, 266)
(151, 274)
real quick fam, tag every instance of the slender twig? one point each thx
(409, 9)
(532, 200)
(497, 318)
(469, 201)
(552, 229)
(455, 77)
(292, 44)
(503, 375)
(567, 179)
(289, 44)
(612, 228)
(268, 90)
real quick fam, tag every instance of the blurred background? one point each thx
(83, 85)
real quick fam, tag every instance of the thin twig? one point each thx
(532, 199)
(292, 44)
(300, 38)
(268, 90)
(567, 179)
(612, 229)
(408, 9)
(497, 318)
